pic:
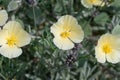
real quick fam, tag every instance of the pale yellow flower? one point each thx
(108, 48)
(66, 32)
(12, 37)
(91, 3)
(3, 17)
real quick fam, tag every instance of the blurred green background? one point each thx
(41, 59)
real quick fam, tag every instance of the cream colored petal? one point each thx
(64, 44)
(109, 38)
(86, 4)
(10, 52)
(3, 36)
(116, 43)
(23, 38)
(13, 27)
(106, 38)
(113, 57)
(103, 39)
(56, 29)
(3, 17)
(100, 55)
(63, 24)
(76, 34)
(99, 3)
(67, 22)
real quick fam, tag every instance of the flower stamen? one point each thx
(107, 48)
(92, 1)
(65, 34)
(11, 41)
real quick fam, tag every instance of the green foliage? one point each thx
(42, 60)
(116, 30)
(116, 3)
(101, 19)
(86, 27)
(13, 5)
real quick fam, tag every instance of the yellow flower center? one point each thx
(11, 41)
(107, 48)
(91, 1)
(65, 34)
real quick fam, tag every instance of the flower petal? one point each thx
(67, 22)
(62, 43)
(100, 55)
(3, 17)
(86, 4)
(99, 3)
(10, 52)
(76, 34)
(13, 27)
(23, 38)
(56, 29)
(113, 57)
(109, 38)
(3, 36)
(105, 38)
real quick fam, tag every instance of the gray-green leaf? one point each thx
(13, 5)
(116, 3)
(86, 27)
(101, 19)
(116, 30)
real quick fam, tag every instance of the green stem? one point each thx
(1, 65)
(3, 77)
(34, 15)
(2, 72)
(9, 68)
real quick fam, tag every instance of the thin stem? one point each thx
(1, 65)
(9, 68)
(2, 72)
(3, 77)
(34, 15)
(9, 62)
